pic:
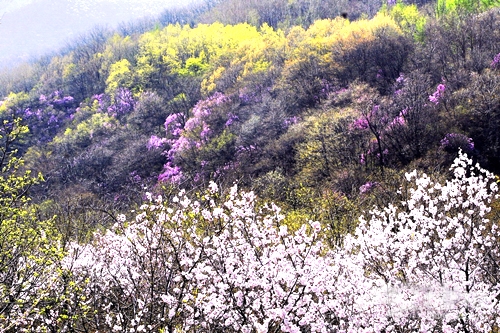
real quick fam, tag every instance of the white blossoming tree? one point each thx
(427, 264)
(433, 257)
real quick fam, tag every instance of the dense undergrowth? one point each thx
(304, 107)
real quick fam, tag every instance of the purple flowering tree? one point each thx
(495, 63)
(123, 103)
(453, 142)
(188, 139)
(438, 94)
(414, 125)
(374, 118)
(48, 115)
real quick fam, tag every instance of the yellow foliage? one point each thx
(408, 18)
(325, 38)
(13, 101)
(85, 130)
(208, 84)
(120, 75)
(68, 70)
(207, 50)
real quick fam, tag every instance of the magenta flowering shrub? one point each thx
(101, 102)
(200, 114)
(405, 126)
(382, 126)
(428, 264)
(47, 116)
(367, 187)
(191, 140)
(495, 63)
(174, 124)
(171, 173)
(438, 94)
(453, 142)
(155, 142)
(122, 104)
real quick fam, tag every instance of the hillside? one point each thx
(321, 108)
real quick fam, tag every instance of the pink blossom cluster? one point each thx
(171, 173)
(191, 133)
(438, 94)
(173, 124)
(155, 142)
(495, 63)
(202, 110)
(427, 264)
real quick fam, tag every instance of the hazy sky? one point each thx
(82, 6)
(33, 27)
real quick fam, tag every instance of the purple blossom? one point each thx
(495, 63)
(291, 121)
(197, 177)
(135, 177)
(28, 113)
(173, 124)
(103, 101)
(452, 142)
(362, 159)
(155, 142)
(192, 123)
(367, 187)
(123, 104)
(247, 97)
(326, 88)
(204, 108)
(179, 145)
(38, 114)
(244, 97)
(171, 173)
(63, 101)
(245, 149)
(53, 119)
(438, 94)
(360, 124)
(398, 121)
(205, 132)
(231, 119)
(99, 98)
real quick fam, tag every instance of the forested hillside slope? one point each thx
(180, 166)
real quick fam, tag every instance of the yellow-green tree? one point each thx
(29, 250)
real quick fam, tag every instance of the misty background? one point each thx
(31, 28)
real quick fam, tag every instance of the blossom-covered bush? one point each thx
(429, 263)
(438, 94)
(194, 265)
(453, 142)
(197, 138)
(224, 263)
